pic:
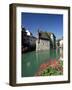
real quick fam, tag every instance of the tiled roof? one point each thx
(44, 35)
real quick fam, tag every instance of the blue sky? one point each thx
(44, 22)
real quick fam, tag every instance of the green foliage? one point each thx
(61, 63)
(52, 71)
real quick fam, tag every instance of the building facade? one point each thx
(42, 44)
(28, 41)
(59, 43)
(45, 41)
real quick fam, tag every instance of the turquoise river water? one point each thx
(31, 61)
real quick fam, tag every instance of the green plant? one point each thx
(51, 68)
(61, 63)
(51, 71)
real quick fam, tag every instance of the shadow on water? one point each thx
(32, 60)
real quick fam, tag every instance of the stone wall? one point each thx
(42, 45)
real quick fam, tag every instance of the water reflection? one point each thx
(32, 60)
(28, 64)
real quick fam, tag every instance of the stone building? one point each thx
(59, 43)
(28, 41)
(45, 41)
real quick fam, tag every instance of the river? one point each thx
(31, 61)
